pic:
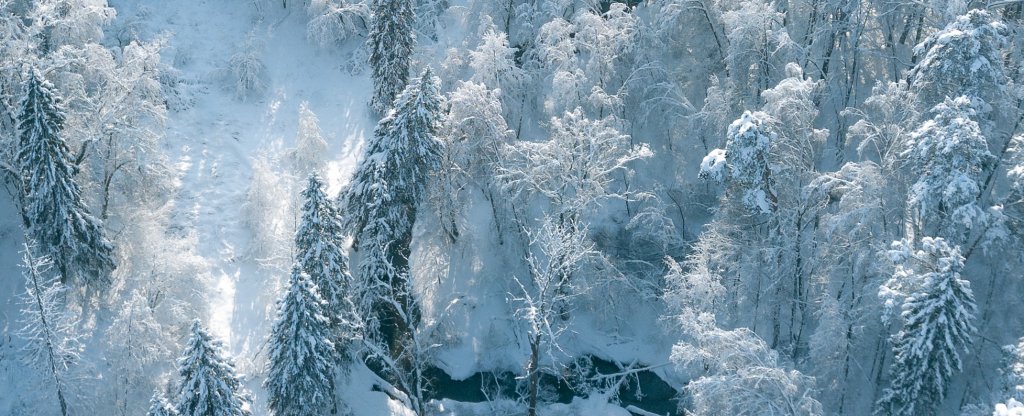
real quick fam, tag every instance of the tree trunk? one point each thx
(533, 375)
(50, 355)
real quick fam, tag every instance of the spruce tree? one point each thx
(300, 376)
(950, 156)
(209, 385)
(160, 406)
(321, 256)
(391, 43)
(937, 311)
(382, 200)
(56, 217)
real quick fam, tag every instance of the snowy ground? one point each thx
(212, 144)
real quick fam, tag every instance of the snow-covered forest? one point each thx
(511, 207)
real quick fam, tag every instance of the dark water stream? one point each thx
(645, 389)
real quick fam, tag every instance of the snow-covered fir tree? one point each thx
(320, 255)
(391, 42)
(54, 212)
(380, 206)
(301, 353)
(937, 312)
(951, 155)
(160, 406)
(208, 384)
(964, 58)
(381, 201)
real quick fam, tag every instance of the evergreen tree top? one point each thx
(317, 213)
(55, 214)
(300, 369)
(399, 157)
(409, 132)
(40, 106)
(209, 384)
(301, 303)
(965, 58)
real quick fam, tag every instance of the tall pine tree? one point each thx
(321, 256)
(382, 200)
(300, 379)
(56, 216)
(209, 384)
(391, 42)
(937, 311)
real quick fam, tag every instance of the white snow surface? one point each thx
(464, 286)
(215, 140)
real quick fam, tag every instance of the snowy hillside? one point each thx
(515, 207)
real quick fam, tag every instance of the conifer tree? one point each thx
(952, 156)
(209, 384)
(389, 184)
(964, 58)
(54, 212)
(160, 406)
(321, 256)
(937, 309)
(391, 42)
(300, 379)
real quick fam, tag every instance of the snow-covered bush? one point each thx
(246, 73)
(1011, 408)
(268, 212)
(331, 22)
(310, 153)
(742, 375)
